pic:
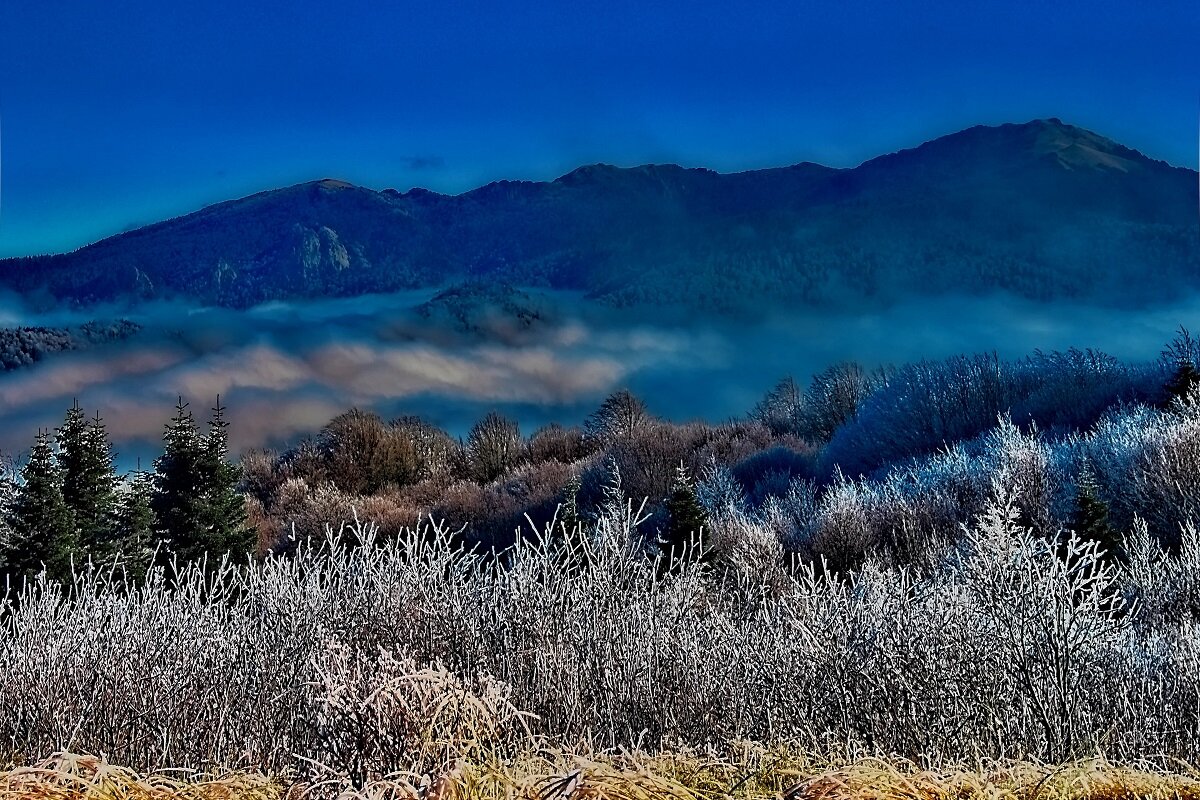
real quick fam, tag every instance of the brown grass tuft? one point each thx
(1093, 779)
(66, 776)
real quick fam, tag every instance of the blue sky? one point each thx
(118, 114)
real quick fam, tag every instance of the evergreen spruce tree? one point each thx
(8, 494)
(223, 509)
(195, 500)
(70, 439)
(1181, 355)
(177, 487)
(1090, 520)
(1181, 382)
(135, 525)
(688, 525)
(568, 513)
(43, 528)
(89, 480)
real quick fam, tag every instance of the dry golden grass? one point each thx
(777, 774)
(74, 777)
(744, 774)
(1093, 779)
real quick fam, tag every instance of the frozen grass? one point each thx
(74, 777)
(742, 773)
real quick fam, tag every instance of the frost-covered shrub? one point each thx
(650, 454)
(1162, 585)
(439, 456)
(1049, 608)
(1025, 468)
(718, 490)
(556, 443)
(1072, 389)
(363, 455)
(841, 532)
(790, 517)
(1113, 449)
(834, 397)
(736, 441)
(781, 409)
(922, 407)
(376, 713)
(310, 511)
(1166, 473)
(926, 406)
(494, 445)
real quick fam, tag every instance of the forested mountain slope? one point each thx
(1042, 209)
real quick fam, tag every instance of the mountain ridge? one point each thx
(1042, 209)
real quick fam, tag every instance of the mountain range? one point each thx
(1044, 210)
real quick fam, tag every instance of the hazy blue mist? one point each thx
(283, 370)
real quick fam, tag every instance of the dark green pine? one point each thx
(688, 524)
(89, 480)
(1091, 521)
(135, 525)
(42, 524)
(223, 508)
(568, 514)
(177, 487)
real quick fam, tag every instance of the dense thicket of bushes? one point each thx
(860, 460)
(409, 653)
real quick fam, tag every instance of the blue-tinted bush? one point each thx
(929, 405)
(769, 472)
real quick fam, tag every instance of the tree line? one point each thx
(811, 459)
(20, 347)
(68, 504)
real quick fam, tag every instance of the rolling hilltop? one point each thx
(1043, 209)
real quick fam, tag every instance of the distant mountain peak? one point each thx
(588, 173)
(1041, 209)
(591, 173)
(1077, 148)
(1038, 141)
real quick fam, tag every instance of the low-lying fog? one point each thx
(283, 370)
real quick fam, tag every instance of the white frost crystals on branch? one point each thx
(1049, 611)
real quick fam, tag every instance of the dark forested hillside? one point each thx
(1043, 209)
(20, 347)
